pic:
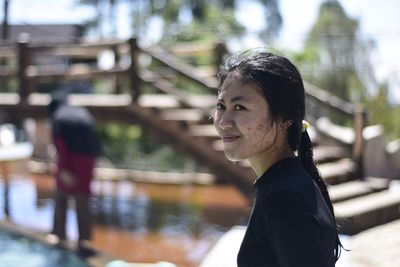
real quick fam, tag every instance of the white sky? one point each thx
(379, 20)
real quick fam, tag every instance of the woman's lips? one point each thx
(229, 138)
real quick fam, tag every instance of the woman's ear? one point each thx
(285, 123)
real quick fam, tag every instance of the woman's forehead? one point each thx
(242, 95)
(234, 85)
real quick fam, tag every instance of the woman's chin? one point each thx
(233, 157)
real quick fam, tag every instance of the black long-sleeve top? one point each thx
(290, 224)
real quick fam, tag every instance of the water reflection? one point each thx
(15, 250)
(158, 208)
(139, 222)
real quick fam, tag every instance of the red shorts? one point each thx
(81, 166)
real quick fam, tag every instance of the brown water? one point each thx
(138, 222)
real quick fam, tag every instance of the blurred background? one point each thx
(355, 41)
(157, 194)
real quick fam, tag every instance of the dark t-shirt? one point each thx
(77, 145)
(290, 224)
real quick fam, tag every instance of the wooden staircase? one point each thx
(359, 202)
(182, 120)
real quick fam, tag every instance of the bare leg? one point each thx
(60, 214)
(85, 225)
(84, 216)
(5, 170)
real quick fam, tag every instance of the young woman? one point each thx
(260, 113)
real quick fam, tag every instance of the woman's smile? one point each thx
(229, 138)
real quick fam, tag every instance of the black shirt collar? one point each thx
(271, 171)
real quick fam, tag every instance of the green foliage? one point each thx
(11, 86)
(207, 25)
(329, 59)
(183, 19)
(381, 111)
(188, 86)
(128, 146)
(103, 86)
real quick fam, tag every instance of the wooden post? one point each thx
(117, 78)
(5, 26)
(219, 53)
(136, 81)
(24, 60)
(358, 146)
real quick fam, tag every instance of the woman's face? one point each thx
(242, 119)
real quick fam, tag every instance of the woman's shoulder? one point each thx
(293, 182)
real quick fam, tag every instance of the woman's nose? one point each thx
(225, 121)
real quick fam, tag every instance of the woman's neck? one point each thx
(260, 163)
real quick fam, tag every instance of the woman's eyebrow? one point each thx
(238, 98)
(233, 99)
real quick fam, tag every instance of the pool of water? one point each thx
(19, 251)
(137, 222)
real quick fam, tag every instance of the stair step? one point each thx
(158, 101)
(188, 115)
(203, 101)
(206, 130)
(337, 172)
(324, 154)
(364, 212)
(353, 189)
(170, 101)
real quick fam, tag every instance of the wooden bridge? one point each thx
(145, 93)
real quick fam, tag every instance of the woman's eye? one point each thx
(220, 106)
(239, 107)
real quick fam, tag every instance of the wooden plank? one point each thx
(158, 101)
(203, 102)
(208, 102)
(329, 100)
(75, 71)
(207, 131)
(190, 49)
(337, 172)
(188, 115)
(353, 189)
(367, 203)
(364, 212)
(324, 154)
(186, 70)
(145, 100)
(9, 99)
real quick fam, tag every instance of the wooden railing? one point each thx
(27, 74)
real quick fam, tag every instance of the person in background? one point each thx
(260, 118)
(77, 146)
(5, 172)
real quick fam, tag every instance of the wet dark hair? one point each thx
(282, 86)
